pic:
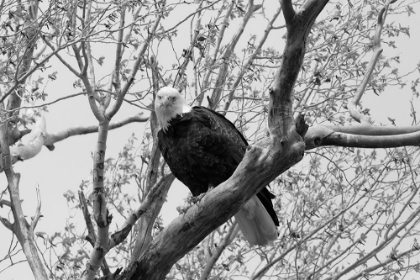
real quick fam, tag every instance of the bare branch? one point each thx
(212, 61)
(227, 239)
(190, 15)
(50, 139)
(381, 264)
(6, 223)
(189, 52)
(100, 210)
(140, 58)
(323, 136)
(38, 214)
(157, 192)
(225, 59)
(146, 222)
(367, 129)
(48, 43)
(116, 82)
(352, 105)
(250, 60)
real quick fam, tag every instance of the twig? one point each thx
(227, 239)
(38, 214)
(190, 15)
(247, 64)
(155, 193)
(136, 66)
(212, 61)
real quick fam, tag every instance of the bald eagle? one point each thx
(202, 149)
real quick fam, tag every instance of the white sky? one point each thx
(70, 163)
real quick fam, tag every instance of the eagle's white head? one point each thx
(168, 104)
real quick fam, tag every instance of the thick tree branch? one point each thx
(185, 232)
(280, 115)
(158, 191)
(150, 208)
(32, 70)
(376, 138)
(288, 11)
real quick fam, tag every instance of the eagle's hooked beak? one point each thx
(167, 102)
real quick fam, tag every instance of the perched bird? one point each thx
(202, 149)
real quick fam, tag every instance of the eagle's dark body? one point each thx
(202, 148)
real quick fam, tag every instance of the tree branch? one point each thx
(227, 239)
(263, 270)
(225, 59)
(38, 214)
(325, 136)
(250, 60)
(100, 211)
(280, 115)
(51, 139)
(288, 11)
(140, 58)
(185, 232)
(352, 105)
(157, 192)
(145, 223)
(211, 62)
(35, 142)
(91, 237)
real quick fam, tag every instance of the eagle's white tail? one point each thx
(256, 224)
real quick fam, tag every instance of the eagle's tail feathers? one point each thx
(255, 223)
